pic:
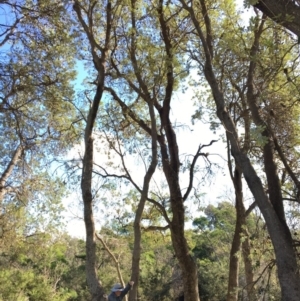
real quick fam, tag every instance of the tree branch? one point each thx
(198, 154)
(284, 12)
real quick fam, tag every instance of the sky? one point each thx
(215, 189)
(189, 137)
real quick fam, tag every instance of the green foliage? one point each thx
(157, 267)
(212, 246)
(41, 267)
(35, 114)
(212, 280)
(256, 135)
(213, 236)
(40, 113)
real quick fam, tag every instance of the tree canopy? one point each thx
(116, 139)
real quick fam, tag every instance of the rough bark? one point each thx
(95, 287)
(186, 261)
(279, 234)
(270, 167)
(285, 257)
(170, 161)
(171, 170)
(268, 149)
(284, 12)
(241, 215)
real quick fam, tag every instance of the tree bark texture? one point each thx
(169, 156)
(285, 256)
(171, 167)
(136, 254)
(239, 244)
(94, 285)
(274, 189)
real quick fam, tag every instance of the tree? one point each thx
(215, 231)
(122, 76)
(33, 267)
(272, 211)
(87, 16)
(134, 75)
(33, 119)
(152, 87)
(32, 100)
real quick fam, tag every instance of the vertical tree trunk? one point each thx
(233, 283)
(136, 255)
(237, 243)
(171, 167)
(285, 269)
(93, 282)
(250, 288)
(94, 285)
(285, 256)
(170, 162)
(186, 261)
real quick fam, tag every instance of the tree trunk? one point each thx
(250, 288)
(285, 256)
(240, 231)
(170, 161)
(9, 169)
(136, 254)
(171, 168)
(240, 227)
(94, 284)
(186, 261)
(233, 282)
(285, 269)
(95, 287)
(280, 236)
